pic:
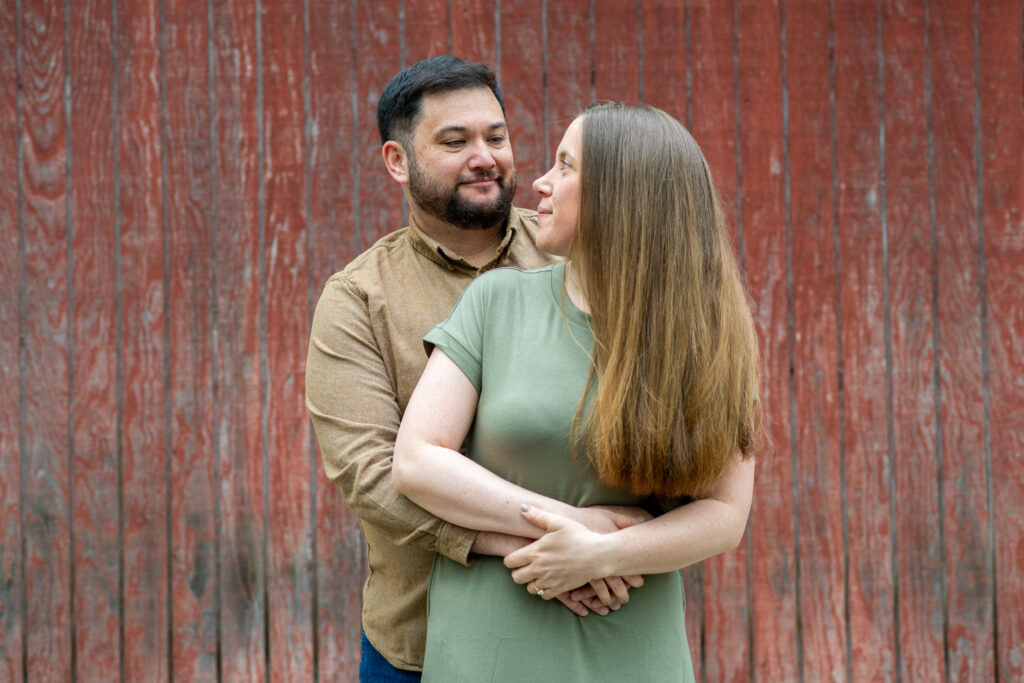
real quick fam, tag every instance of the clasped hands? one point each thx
(570, 561)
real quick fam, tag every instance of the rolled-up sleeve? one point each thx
(355, 413)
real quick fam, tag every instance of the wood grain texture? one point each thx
(239, 442)
(425, 31)
(664, 59)
(1001, 92)
(864, 429)
(340, 554)
(46, 513)
(379, 205)
(727, 612)
(473, 30)
(187, 153)
(94, 406)
(773, 543)
(567, 90)
(918, 562)
(12, 583)
(615, 60)
(140, 214)
(522, 82)
(290, 504)
(814, 341)
(964, 506)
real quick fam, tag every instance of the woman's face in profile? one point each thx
(559, 194)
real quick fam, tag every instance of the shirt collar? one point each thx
(432, 249)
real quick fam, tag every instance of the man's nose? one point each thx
(481, 156)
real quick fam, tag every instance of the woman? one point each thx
(625, 375)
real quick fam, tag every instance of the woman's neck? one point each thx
(572, 288)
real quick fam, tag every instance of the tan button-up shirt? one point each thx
(365, 357)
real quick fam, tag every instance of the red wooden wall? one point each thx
(179, 178)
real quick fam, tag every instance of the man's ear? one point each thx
(396, 160)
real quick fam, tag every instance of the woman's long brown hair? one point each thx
(675, 351)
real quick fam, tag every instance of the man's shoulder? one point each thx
(367, 269)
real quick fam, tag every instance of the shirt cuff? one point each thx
(454, 542)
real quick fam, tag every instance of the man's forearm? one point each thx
(500, 545)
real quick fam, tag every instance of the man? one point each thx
(446, 143)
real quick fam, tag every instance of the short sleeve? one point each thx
(461, 336)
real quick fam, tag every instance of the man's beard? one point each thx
(448, 205)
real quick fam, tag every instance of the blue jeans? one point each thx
(373, 668)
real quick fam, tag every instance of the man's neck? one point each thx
(475, 247)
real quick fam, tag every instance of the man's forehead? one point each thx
(460, 111)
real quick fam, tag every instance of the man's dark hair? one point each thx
(399, 104)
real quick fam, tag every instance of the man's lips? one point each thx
(479, 182)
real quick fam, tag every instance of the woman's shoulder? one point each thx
(512, 280)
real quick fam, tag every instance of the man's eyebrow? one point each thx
(463, 129)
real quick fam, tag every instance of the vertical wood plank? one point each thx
(616, 55)
(94, 329)
(379, 203)
(425, 32)
(186, 139)
(145, 487)
(236, 348)
(340, 553)
(473, 30)
(772, 543)
(918, 564)
(522, 84)
(46, 504)
(1001, 86)
(814, 341)
(864, 429)
(290, 532)
(567, 90)
(964, 503)
(727, 612)
(664, 49)
(12, 582)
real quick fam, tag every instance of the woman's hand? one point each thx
(566, 557)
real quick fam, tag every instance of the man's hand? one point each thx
(622, 516)
(612, 591)
(605, 519)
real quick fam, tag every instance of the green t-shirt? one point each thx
(510, 334)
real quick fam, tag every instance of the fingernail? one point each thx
(525, 507)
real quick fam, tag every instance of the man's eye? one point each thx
(497, 139)
(453, 143)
